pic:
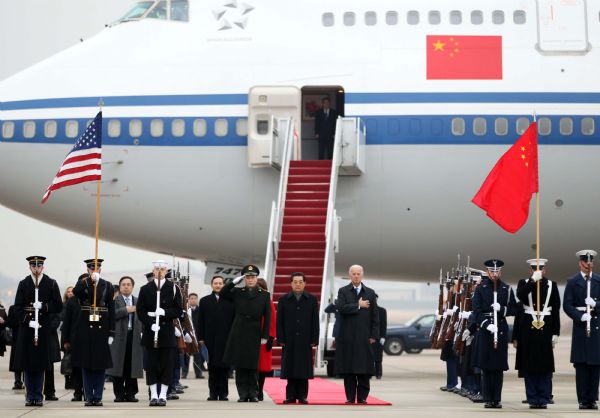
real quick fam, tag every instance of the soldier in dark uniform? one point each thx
(252, 304)
(580, 305)
(95, 331)
(378, 345)
(297, 332)
(54, 346)
(68, 330)
(159, 340)
(213, 324)
(13, 323)
(493, 361)
(32, 355)
(538, 333)
(471, 373)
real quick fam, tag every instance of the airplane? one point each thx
(186, 161)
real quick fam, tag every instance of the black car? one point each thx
(412, 337)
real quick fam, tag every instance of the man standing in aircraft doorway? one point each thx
(325, 120)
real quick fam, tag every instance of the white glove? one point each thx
(588, 301)
(455, 308)
(585, 317)
(466, 334)
(110, 340)
(382, 341)
(469, 340)
(34, 324)
(177, 332)
(537, 276)
(159, 311)
(95, 276)
(495, 306)
(154, 327)
(465, 315)
(38, 305)
(263, 340)
(238, 279)
(187, 338)
(492, 328)
(554, 340)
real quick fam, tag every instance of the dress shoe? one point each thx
(119, 399)
(162, 402)
(582, 405)
(89, 403)
(542, 406)
(18, 386)
(497, 405)
(243, 400)
(38, 402)
(179, 391)
(29, 403)
(77, 398)
(223, 398)
(362, 401)
(172, 397)
(349, 402)
(261, 397)
(303, 401)
(444, 389)
(51, 398)
(153, 402)
(378, 377)
(593, 405)
(477, 398)
(488, 405)
(131, 399)
(212, 398)
(98, 403)
(289, 401)
(551, 401)
(255, 399)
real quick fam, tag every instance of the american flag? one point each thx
(83, 163)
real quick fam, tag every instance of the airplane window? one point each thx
(135, 128)
(498, 17)
(477, 17)
(519, 17)
(29, 129)
(370, 18)
(199, 127)
(566, 126)
(327, 19)
(479, 126)
(501, 126)
(455, 17)
(391, 18)
(159, 11)
(458, 126)
(412, 17)
(8, 130)
(544, 126)
(50, 129)
(349, 19)
(179, 10)
(137, 11)
(221, 127)
(178, 128)
(414, 126)
(434, 17)
(157, 128)
(393, 127)
(587, 126)
(437, 126)
(522, 125)
(114, 128)
(241, 127)
(72, 129)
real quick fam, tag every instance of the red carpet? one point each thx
(320, 392)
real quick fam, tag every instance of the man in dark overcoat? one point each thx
(359, 329)
(536, 340)
(95, 331)
(325, 123)
(378, 345)
(493, 361)
(68, 330)
(213, 323)
(252, 305)
(126, 349)
(32, 355)
(159, 340)
(297, 333)
(581, 308)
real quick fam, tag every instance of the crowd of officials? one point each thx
(108, 334)
(473, 334)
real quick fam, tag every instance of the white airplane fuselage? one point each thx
(410, 213)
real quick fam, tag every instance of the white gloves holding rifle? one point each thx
(590, 301)
(537, 276)
(95, 276)
(155, 328)
(586, 317)
(159, 312)
(177, 332)
(492, 328)
(34, 324)
(187, 338)
(38, 305)
(466, 334)
(495, 306)
(110, 340)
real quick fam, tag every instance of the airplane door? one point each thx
(562, 26)
(265, 105)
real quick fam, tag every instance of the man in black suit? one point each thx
(325, 120)
(354, 359)
(196, 359)
(378, 346)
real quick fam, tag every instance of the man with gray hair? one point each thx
(357, 305)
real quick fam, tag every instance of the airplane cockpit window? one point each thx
(477, 17)
(435, 17)
(498, 17)
(519, 17)
(391, 18)
(370, 18)
(412, 17)
(455, 17)
(328, 19)
(349, 19)
(177, 10)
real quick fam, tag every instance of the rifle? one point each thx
(458, 296)
(187, 327)
(37, 313)
(435, 329)
(439, 341)
(459, 343)
(157, 319)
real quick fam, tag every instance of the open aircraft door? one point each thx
(562, 27)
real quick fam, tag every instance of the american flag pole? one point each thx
(98, 182)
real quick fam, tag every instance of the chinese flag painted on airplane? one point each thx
(506, 192)
(452, 57)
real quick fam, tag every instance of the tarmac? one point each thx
(411, 383)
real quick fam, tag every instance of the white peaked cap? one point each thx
(160, 264)
(584, 253)
(534, 262)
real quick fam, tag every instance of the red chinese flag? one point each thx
(452, 57)
(506, 192)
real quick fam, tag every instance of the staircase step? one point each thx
(306, 196)
(304, 228)
(300, 253)
(303, 187)
(302, 236)
(304, 211)
(306, 203)
(316, 263)
(309, 179)
(304, 245)
(303, 171)
(304, 220)
(310, 163)
(287, 270)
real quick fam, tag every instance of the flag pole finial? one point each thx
(534, 115)
(100, 103)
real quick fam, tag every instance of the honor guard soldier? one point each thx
(158, 304)
(94, 331)
(38, 297)
(538, 333)
(493, 301)
(581, 296)
(243, 345)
